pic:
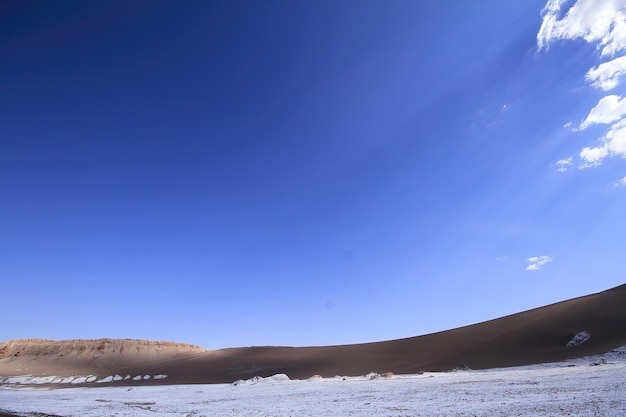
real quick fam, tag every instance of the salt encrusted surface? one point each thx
(592, 386)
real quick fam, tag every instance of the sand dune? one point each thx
(591, 325)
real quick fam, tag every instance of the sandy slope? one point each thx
(530, 337)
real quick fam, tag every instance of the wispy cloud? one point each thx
(602, 22)
(537, 262)
(607, 75)
(621, 183)
(611, 144)
(564, 164)
(608, 110)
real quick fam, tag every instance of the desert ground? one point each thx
(566, 358)
(590, 386)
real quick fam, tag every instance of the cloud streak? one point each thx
(608, 110)
(601, 21)
(564, 164)
(607, 75)
(537, 262)
(611, 144)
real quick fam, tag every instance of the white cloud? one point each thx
(536, 262)
(564, 164)
(601, 21)
(612, 144)
(593, 157)
(549, 12)
(608, 110)
(621, 183)
(608, 74)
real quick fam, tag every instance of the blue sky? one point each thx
(305, 173)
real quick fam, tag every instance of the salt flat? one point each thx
(592, 386)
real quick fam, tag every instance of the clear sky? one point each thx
(230, 173)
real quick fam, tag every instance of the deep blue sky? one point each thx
(286, 172)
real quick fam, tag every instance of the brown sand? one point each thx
(530, 337)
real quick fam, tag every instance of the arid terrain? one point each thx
(583, 387)
(588, 325)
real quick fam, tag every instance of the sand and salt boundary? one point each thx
(590, 386)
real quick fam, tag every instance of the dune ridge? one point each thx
(597, 322)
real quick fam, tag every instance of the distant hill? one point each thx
(589, 325)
